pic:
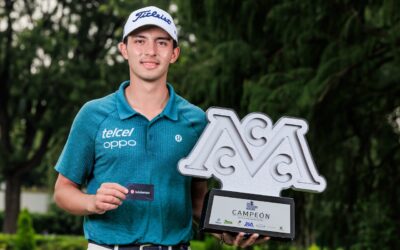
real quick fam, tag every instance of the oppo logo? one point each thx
(119, 144)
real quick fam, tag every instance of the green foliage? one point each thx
(47, 242)
(56, 221)
(7, 241)
(53, 58)
(334, 63)
(25, 239)
(212, 243)
(51, 242)
(314, 247)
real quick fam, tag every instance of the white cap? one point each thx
(150, 16)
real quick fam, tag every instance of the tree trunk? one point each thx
(12, 204)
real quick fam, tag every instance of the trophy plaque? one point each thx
(254, 161)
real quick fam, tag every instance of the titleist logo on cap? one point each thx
(148, 13)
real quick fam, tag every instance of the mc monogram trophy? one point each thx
(254, 161)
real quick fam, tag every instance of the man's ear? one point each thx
(122, 49)
(175, 55)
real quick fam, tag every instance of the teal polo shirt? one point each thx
(111, 142)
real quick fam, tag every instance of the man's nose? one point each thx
(151, 48)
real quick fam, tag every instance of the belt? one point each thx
(143, 247)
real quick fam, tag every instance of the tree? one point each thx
(334, 63)
(54, 56)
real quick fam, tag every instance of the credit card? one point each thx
(144, 192)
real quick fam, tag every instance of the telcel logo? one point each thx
(118, 133)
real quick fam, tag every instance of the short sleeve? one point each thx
(77, 158)
(202, 123)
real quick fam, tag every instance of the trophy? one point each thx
(254, 161)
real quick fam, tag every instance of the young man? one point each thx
(125, 148)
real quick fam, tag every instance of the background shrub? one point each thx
(25, 238)
(212, 243)
(56, 221)
(47, 242)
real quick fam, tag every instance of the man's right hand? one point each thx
(69, 196)
(109, 196)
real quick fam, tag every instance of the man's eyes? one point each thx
(139, 41)
(163, 43)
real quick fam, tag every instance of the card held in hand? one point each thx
(144, 192)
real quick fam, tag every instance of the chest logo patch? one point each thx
(178, 138)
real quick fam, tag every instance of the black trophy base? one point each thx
(234, 212)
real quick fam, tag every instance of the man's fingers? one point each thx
(113, 189)
(105, 203)
(108, 197)
(114, 186)
(238, 239)
(263, 239)
(227, 238)
(111, 199)
(241, 239)
(250, 241)
(112, 192)
(103, 207)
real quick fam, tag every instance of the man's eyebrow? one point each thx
(164, 38)
(138, 36)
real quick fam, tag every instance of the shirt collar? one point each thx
(125, 110)
(171, 110)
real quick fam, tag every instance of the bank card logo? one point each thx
(143, 192)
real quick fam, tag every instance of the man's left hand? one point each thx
(241, 241)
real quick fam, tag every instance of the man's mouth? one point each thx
(149, 64)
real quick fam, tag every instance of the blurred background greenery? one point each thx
(335, 63)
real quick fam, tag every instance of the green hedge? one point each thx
(56, 221)
(52, 242)
(65, 242)
(47, 242)
(26, 239)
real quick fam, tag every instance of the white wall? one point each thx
(35, 202)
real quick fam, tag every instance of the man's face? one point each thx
(149, 52)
